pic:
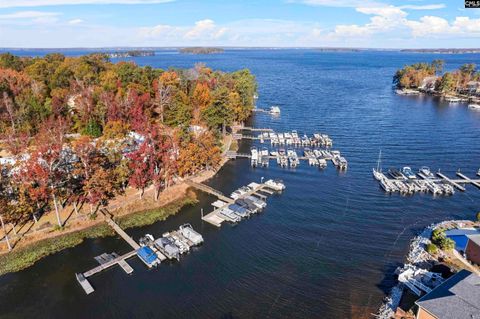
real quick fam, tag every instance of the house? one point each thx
(472, 250)
(428, 84)
(456, 298)
(460, 236)
(473, 87)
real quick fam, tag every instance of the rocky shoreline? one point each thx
(418, 257)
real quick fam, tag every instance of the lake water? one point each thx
(327, 247)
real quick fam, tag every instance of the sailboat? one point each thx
(377, 173)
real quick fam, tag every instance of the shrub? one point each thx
(431, 249)
(447, 244)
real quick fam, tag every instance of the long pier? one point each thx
(120, 260)
(468, 180)
(209, 190)
(448, 180)
(122, 233)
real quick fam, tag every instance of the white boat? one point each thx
(275, 110)
(385, 184)
(425, 173)
(407, 171)
(377, 173)
(474, 106)
(433, 188)
(277, 185)
(453, 99)
(187, 231)
(322, 163)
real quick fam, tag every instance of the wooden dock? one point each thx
(121, 259)
(452, 182)
(255, 129)
(103, 259)
(469, 180)
(122, 233)
(209, 190)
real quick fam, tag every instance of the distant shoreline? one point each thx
(320, 49)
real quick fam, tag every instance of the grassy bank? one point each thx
(26, 256)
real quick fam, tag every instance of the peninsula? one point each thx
(81, 133)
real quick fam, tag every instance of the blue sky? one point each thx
(277, 23)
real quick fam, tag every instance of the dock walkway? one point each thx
(448, 180)
(209, 190)
(469, 180)
(122, 233)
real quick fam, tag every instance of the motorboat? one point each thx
(474, 106)
(230, 215)
(239, 210)
(395, 173)
(425, 173)
(257, 202)
(148, 256)
(167, 247)
(277, 185)
(189, 233)
(407, 171)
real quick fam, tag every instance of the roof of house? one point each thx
(462, 232)
(456, 298)
(474, 238)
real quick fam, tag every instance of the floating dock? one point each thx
(448, 180)
(107, 261)
(216, 219)
(442, 185)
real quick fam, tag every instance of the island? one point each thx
(130, 54)
(81, 135)
(201, 50)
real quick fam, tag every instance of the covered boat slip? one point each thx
(224, 211)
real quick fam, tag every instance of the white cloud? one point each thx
(75, 21)
(205, 29)
(364, 3)
(339, 3)
(41, 3)
(436, 26)
(423, 7)
(201, 31)
(28, 15)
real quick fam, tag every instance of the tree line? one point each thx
(412, 76)
(80, 130)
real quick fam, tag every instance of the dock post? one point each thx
(201, 212)
(6, 234)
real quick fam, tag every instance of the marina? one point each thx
(288, 149)
(406, 182)
(152, 252)
(243, 202)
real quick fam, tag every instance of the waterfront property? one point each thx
(457, 298)
(472, 249)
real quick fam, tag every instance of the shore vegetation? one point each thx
(79, 131)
